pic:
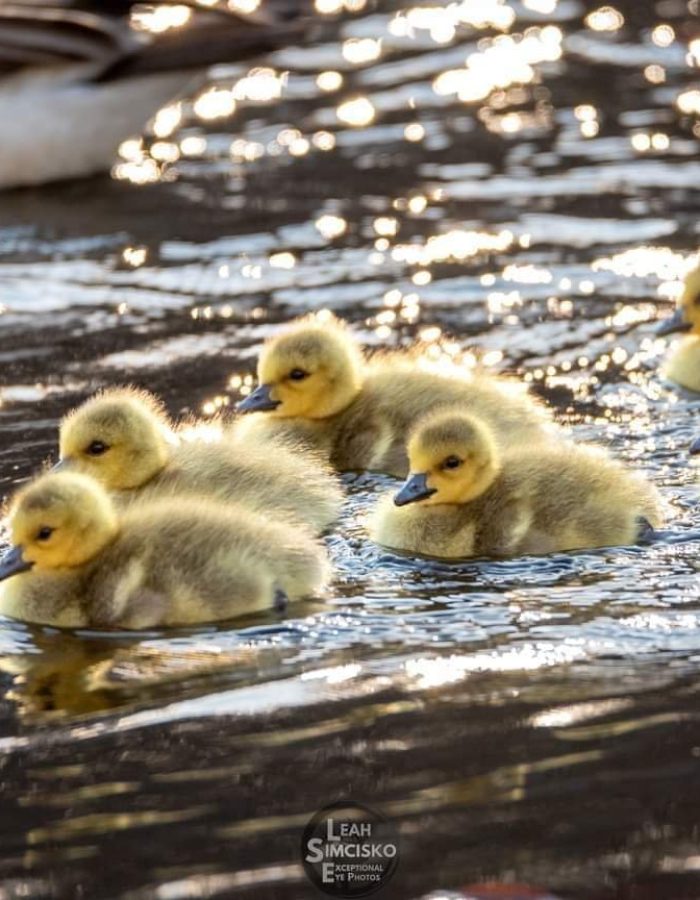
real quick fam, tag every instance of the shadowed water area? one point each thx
(532, 211)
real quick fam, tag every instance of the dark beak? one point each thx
(415, 488)
(675, 323)
(12, 563)
(695, 447)
(259, 401)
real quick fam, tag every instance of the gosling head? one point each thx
(453, 458)
(312, 371)
(687, 315)
(119, 437)
(59, 521)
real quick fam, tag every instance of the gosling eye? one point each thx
(97, 448)
(452, 462)
(44, 533)
(298, 375)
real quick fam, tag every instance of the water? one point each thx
(530, 720)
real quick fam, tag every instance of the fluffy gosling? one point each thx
(76, 562)
(123, 438)
(465, 497)
(683, 362)
(359, 412)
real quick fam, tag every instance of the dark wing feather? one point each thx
(46, 32)
(202, 45)
(45, 35)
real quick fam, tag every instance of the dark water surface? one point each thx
(532, 720)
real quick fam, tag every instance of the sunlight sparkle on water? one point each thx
(361, 50)
(246, 151)
(387, 226)
(689, 102)
(483, 14)
(332, 7)
(214, 104)
(299, 147)
(158, 19)
(641, 262)
(546, 7)
(438, 22)
(646, 143)
(134, 256)
(527, 274)
(260, 86)
(244, 6)
(166, 120)
(694, 52)
(655, 74)
(499, 302)
(287, 136)
(561, 716)
(442, 22)
(505, 61)
(329, 81)
(210, 408)
(132, 150)
(414, 132)
(333, 674)
(331, 226)
(433, 672)
(323, 140)
(193, 146)
(606, 18)
(283, 260)
(165, 151)
(357, 112)
(455, 245)
(417, 204)
(663, 35)
(144, 171)
(586, 113)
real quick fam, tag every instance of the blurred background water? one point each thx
(515, 184)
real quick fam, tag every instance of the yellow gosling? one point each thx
(359, 412)
(76, 562)
(683, 362)
(467, 497)
(124, 439)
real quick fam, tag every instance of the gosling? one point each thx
(76, 562)
(123, 438)
(683, 364)
(357, 412)
(468, 498)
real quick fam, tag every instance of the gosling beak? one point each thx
(673, 324)
(61, 466)
(695, 447)
(415, 488)
(259, 401)
(13, 563)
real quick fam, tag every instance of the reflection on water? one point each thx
(514, 184)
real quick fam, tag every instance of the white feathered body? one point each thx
(75, 126)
